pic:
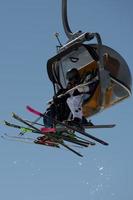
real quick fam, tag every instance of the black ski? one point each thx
(70, 149)
(83, 133)
(15, 116)
(22, 128)
(87, 126)
(76, 141)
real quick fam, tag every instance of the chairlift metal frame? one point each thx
(75, 41)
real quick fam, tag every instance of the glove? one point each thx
(58, 100)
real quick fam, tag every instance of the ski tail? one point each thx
(32, 110)
(22, 128)
(70, 149)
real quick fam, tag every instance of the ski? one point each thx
(61, 142)
(15, 116)
(29, 108)
(83, 139)
(35, 123)
(87, 126)
(16, 139)
(26, 129)
(70, 149)
(84, 133)
(74, 138)
(43, 130)
(29, 140)
(22, 128)
(32, 110)
(66, 137)
(76, 141)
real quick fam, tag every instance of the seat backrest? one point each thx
(92, 104)
(88, 68)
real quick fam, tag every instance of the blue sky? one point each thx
(26, 43)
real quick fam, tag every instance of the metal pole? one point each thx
(65, 20)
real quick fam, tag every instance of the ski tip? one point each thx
(2, 122)
(113, 125)
(28, 107)
(34, 111)
(5, 122)
(3, 136)
(105, 143)
(99, 126)
(13, 114)
(92, 144)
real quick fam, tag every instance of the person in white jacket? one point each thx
(80, 90)
(69, 101)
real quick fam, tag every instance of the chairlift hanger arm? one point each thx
(65, 20)
(74, 36)
(66, 26)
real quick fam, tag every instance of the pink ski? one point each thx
(34, 111)
(43, 129)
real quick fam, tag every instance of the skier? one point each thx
(72, 99)
(85, 88)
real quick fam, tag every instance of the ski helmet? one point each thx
(73, 75)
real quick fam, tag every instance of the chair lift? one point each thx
(114, 75)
